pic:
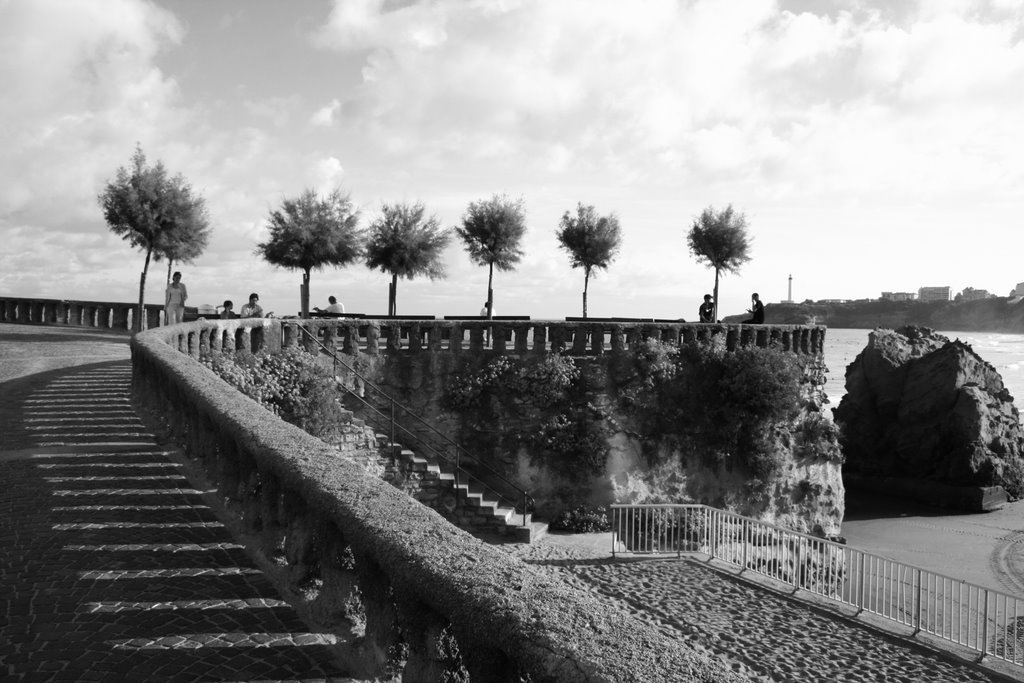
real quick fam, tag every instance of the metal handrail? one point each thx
(985, 620)
(394, 427)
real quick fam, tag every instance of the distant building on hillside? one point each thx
(898, 296)
(933, 294)
(972, 294)
(1018, 290)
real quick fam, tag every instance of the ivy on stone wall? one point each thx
(729, 407)
(572, 439)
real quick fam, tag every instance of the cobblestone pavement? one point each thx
(111, 566)
(759, 633)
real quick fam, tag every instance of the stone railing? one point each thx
(358, 540)
(375, 336)
(98, 314)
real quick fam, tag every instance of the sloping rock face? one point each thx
(927, 417)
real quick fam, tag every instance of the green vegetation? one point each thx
(157, 213)
(492, 230)
(591, 240)
(573, 436)
(731, 407)
(583, 519)
(404, 243)
(310, 232)
(719, 240)
(290, 384)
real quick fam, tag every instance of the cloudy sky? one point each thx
(872, 144)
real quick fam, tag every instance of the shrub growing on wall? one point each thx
(572, 439)
(289, 384)
(714, 403)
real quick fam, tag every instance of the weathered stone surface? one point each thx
(923, 408)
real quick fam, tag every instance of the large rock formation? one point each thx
(926, 417)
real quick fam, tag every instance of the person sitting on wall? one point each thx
(706, 312)
(253, 308)
(333, 306)
(227, 310)
(756, 310)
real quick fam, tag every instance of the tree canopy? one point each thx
(492, 230)
(719, 240)
(592, 241)
(404, 243)
(310, 232)
(155, 212)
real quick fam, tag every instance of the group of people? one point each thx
(249, 310)
(177, 295)
(706, 312)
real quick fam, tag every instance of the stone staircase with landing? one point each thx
(460, 498)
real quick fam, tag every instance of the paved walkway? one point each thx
(113, 568)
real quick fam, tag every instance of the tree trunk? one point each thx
(393, 295)
(715, 319)
(170, 262)
(586, 285)
(490, 291)
(140, 314)
(304, 294)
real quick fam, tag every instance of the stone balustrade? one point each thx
(376, 336)
(346, 538)
(103, 315)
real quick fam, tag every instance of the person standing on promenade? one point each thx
(756, 310)
(228, 311)
(174, 301)
(706, 312)
(253, 308)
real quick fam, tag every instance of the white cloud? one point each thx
(324, 116)
(764, 95)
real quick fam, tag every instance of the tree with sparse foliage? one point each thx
(592, 241)
(719, 240)
(153, 211)
(183, 246)
(404, 243)
(492, 230)
(309, 232)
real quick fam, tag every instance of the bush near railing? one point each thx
(362, 550)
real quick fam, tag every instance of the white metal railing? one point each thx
(984, 620)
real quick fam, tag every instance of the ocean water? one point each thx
(1004, 351)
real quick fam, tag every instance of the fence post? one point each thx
(860, 582)
(744, 540)
(918, 587)
(984, 627)
(797, 563)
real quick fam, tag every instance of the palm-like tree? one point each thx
(719, 240)
(492, 230)
(592, 241)
(405, 243)
(310, 232)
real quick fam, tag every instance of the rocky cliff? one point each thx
(927, 417)
(986, 315)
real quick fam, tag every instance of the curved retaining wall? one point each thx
(350, 530)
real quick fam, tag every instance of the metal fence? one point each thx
(987, 621)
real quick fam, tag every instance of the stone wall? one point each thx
(417, 359)
(103, 315)
(349, 539)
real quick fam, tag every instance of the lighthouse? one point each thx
(789, 296)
